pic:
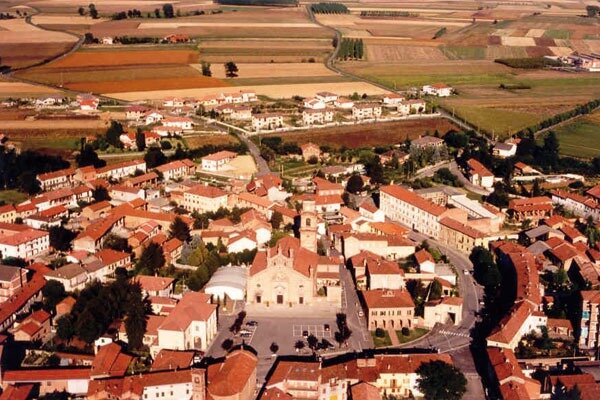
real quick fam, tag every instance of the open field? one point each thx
(196, 141)
(581, 137)
(19, 31)
(12, 196)
(127, 56)
(12, 89)
(271, 70)
(369, 135)
(274, 91)
(248, 50)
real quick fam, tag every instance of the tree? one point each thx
(343, 333)
(274, 348)
(154, 157)
(168, 10)
(276, 219)
(179, 229)
(28, 183)
(435, 290)
(299, 345)
(592, 11)
(140, 140)
(157, 12)
(135, 320)
(81, 11)
(375, 170)
(53, 292)
(115, 242)
(355, 184)
(206, 69)
(231, 69)
(312, 341)
(485, 270)
(439, 380)
(93, 11)
(61, 238)
(87, 156)
(87, 327)
(64, 327)
(100, 193)
(227, 344)
(113, 134)
(151, 260)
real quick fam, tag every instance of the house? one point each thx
(590, 319)
(243, 241)
(310, 150)
(318, 116)
(72, 276)
(156, 285)
(343, 103)
(129, 139)
(412, 106)
(388, 309)
(203, 198)
(51, 379)
(26, 244)
(326, 97)
(36, 327)
(12, 280)
(461, 236)
(94, 235)
(323, 187)
(582, 206)
(386, 246)
(260, 204)
(56, 180)
(426, 142)
(235, 377)
(177, 169)
(532, 208)
(8, 214)
(177, 38)
(524, 169)
(505, 150)
(447, 310)
(368, 210)
(522, 319)
(152, 117)
(383, 274)
(438, 89)
(392, 99)
(588, 62)
(425, 261)
(366, 111)
(509, 377)
(217, 161)
(235, 112)
(89, 104)
(266, 122)
(121, 170)
(135, 112)
(191, 325)
(183, 123)
(479, 175)
(314, 104)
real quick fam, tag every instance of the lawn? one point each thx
(381, 342)
(580, 138)
(12, 196)
(414, 335)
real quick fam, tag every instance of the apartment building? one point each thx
(590, 321)
(204, 198)
(366, 111)
(386, 308)
(266, 121)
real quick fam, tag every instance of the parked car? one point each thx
(245, 332)
(326, 327)
(304, 334)
(246, 335)
(361, 313)
(252, 323)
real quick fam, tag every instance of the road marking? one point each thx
(461, 334)
(317, 330)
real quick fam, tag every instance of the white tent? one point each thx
(228, 280)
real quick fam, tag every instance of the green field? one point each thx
(12, 196)
(496, 121)
(414, 335)
(580, 138)
(464, 52)
(381, 342)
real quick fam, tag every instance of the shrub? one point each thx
(166, 145)
(380, 333)
(405, 331)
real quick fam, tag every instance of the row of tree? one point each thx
(581, 109)
(134, 13)
(259, 2)
(329, 8)
(528, 63)
(351, 49)
(386, 14)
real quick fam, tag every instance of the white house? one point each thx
(152, 117)
(479, 175)
(327, 97)
(26, 244)
(242, 241)
(314, 104)
(438, 89)
(320, 117)
(183, 123)
(392, 99)
(216, 161)
(505, 150)
(366, 111)
(266, 121)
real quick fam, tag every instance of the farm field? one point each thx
(273, 70)
(12, 89)
(277, 91)
(369, 135)
(196, 141)
(124, 70)
(581, 137)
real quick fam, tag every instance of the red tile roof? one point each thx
(413, 199)
(231, 377)
(172, 360)
(478, 168)
(384, 298)
(110, 361)
(192, 307)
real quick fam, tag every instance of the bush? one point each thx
(313, 160)
(166, 145)
(380, 333)
(405, 331)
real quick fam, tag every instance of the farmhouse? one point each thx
(320, 117)
(135, 112)
(314, 104)
(589, 62)
(505, 150)
(438, 89)
(392, 99)
(152, 117)
(426, 142)
(480, 175)
(216, 161)
(326, 97)
(183, 123)
(412, 106)
(343, 103)
(266, 121)
(366, 111)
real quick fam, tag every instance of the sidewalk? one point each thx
(393, 337)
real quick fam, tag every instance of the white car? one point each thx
(361, 314)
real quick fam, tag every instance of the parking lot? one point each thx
(317, 330)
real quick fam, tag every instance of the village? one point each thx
(200, 262)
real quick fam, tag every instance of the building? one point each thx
(36, 327)
(310, 150)
(57, 179)
(204, 198)
(121, 170)
(326, 97)
(177, 169)
(217, 161)
(288, 274)
(460, 236)
(590, 319)
(323, 187)
(505, 150)
(12, 280)
(191, 325)
(314, 104)
(479, 175)
(234, 378)
(389, 309)
(156, 285)
(183, 123)
(438, 89)
(509, 377)
(581, 205)
(266, 122)
(366, 111)
(425, 261)
(532, 209)
(426, 142)
(447, 310)
(8, 214)
(319, 116)
(392, 99)
(26, 244)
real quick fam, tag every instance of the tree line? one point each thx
(134, 13)
(351, 49)
(259, 2)
(329, 8)
(386, 14)
(581, 109)
(528, 63)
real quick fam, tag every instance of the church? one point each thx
(292, 273)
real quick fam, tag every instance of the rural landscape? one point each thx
(300, 199)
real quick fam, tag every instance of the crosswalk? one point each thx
(461, 334)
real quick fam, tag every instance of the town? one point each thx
(280, 200)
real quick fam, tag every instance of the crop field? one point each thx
(203, 140)
(581, 137)
(273, 70)
(109, 58)
(12, 89)
(369, 135)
